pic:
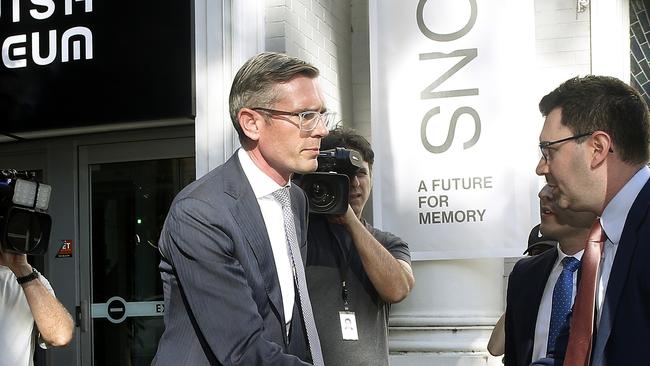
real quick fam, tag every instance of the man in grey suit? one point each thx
(232, 291)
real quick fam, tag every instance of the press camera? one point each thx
(327, 189)
(24, 223)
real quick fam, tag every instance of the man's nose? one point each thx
(320, 130)
(354, 181)
(542, 167)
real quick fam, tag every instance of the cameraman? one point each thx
(26, 298)
(354, 271)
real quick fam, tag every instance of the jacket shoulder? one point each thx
(212, 184)
(532, 267)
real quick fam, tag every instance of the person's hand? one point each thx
(344, 219)
(17, 263)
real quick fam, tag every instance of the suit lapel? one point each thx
(620, 270)
(248, 216)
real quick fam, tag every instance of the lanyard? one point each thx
(343, 259)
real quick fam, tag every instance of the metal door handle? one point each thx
(83, 315)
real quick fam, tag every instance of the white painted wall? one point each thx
(562, 44)
(360, 67)
(318, 31)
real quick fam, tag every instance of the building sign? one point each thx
(454, 125)
(76, 63)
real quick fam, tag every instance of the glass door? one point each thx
(126, 202)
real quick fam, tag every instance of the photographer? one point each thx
(354, 271)
(26, 298)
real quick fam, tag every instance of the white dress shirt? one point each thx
(545, 306)
(263, 187)
(613, 221)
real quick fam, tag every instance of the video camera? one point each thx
(327, 189)
(24, 223)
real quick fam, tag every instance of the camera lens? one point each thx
(321, 196)
(26, 231)
(327, 192)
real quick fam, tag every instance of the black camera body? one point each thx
(24, 223)
(328, 188)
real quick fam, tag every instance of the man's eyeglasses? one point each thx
(308, 120)
(544, 145)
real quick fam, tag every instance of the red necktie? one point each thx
(582, 321)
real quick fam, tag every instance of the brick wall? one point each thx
(318, 31)
(640, 48)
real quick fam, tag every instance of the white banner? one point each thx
(454, 125)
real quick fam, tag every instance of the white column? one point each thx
(450, 314)
(610, 38)
(227, 33)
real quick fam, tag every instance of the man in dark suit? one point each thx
(532, 282)
(595, 149)
(537, 244)
(231, 281)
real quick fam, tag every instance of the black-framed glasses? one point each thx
(544, 145)
(308, 120)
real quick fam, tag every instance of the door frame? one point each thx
(164, 148)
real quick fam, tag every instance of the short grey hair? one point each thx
(254, 83)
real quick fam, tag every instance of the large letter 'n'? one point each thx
(467, 56)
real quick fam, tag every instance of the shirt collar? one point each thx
(261, 183)
(561, 255)
(615, 213)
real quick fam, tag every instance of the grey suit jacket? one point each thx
(223, 304)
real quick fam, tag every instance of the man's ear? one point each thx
(602, 146)
(250, 122)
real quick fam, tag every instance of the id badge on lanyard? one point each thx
(347, 318)
(348, 326)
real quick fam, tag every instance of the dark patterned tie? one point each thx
(582, 320)
(562, 296)
(282, 195)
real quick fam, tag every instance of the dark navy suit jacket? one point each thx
(223, 304)
(525, 289)
(623, 335)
